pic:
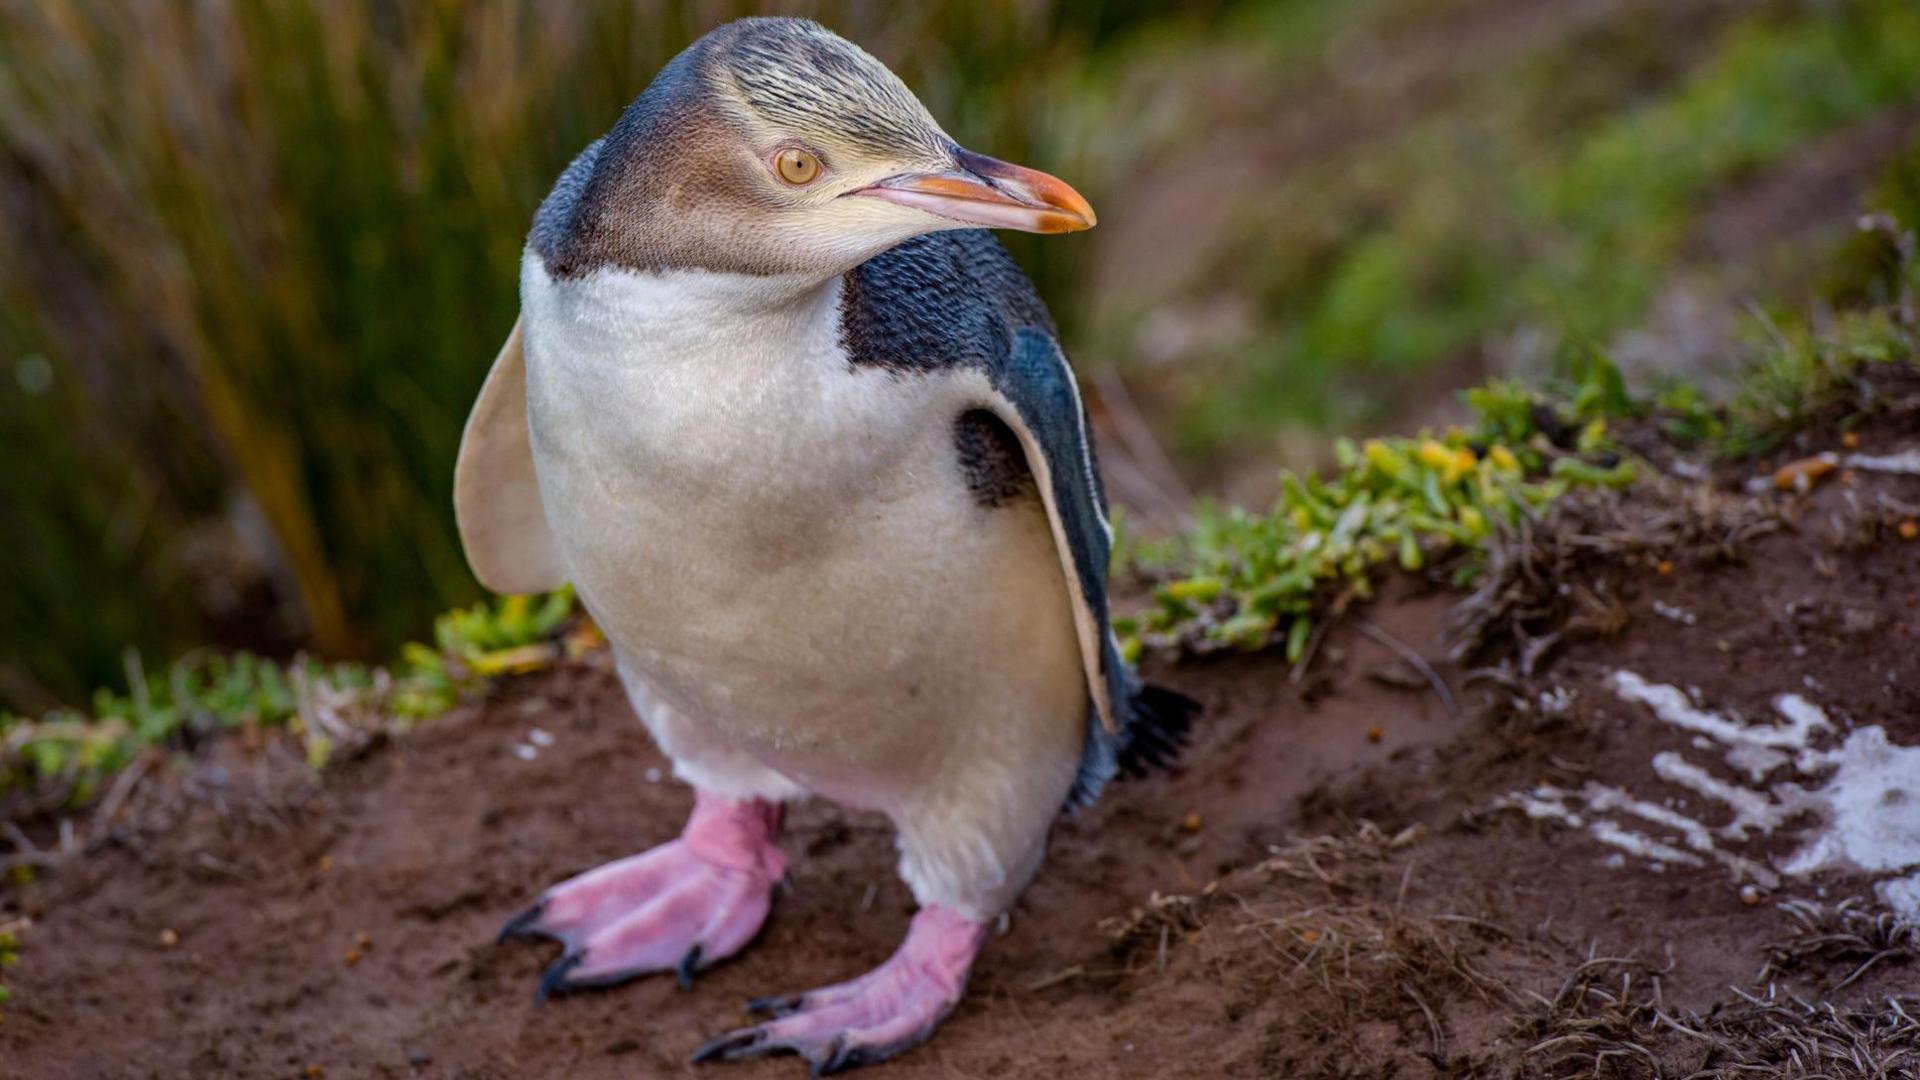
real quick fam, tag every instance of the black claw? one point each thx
(734, 1045)
(521, 925)
(688, 967)
(777, 1005)
(553, 981)
(836, 1058)
(843, 1058)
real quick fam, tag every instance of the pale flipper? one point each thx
(496, 497)
(681, 907)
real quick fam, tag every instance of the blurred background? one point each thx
(255, 257)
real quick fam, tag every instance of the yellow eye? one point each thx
(796, 166)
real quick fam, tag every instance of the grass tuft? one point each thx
(62, 759)
(1850, 932)
(1610, 1018)
(1245, 580)
(10, 932)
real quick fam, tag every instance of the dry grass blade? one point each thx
(1848, 932)
(1520, 608)
(1609, 1012)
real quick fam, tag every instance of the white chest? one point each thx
(659, 385)
(745, 512)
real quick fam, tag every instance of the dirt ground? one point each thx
(1349, 875)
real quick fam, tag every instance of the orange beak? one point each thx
(988, 192)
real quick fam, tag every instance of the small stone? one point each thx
(1909, 529)
(1664, 567)
(1860, 621)
(1191, 823)
(326, 863)
(314, 1070)
(1749, 895)
(169, 938)
(1375, 733)
(352, 957)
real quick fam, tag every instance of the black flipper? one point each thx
(956, 300)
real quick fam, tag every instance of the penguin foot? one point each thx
(882, 1013)
(681, 907)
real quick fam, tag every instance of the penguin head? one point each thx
(774, 146)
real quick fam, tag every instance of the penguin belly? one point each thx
(783, 548)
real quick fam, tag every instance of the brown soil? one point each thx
(252, 920)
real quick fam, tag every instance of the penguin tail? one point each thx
(1157, 724)
(1154, 723)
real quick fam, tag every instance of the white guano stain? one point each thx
(1860, 799)
(1902, 894)
(1871, 807)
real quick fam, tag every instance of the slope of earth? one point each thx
(251, 922)
(1658, 802)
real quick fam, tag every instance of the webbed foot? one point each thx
(679, 907)
(890, 1009)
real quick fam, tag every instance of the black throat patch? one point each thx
(944, 300)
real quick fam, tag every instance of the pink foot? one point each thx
(891, 1008)
(679, 907)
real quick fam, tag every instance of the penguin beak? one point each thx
(988, 192)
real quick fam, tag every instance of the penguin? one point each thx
(802, 437)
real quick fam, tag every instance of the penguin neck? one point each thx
(722, 294)
(689, 313)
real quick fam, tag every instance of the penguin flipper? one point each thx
(496, 497)
(1132, 726)
(1036, 397)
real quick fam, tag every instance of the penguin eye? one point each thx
(796, 166)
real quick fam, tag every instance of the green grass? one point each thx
(9, 958)
(63, 758)
(1246, 580)
(1801, 373)
(63, 761)
(1554, 192)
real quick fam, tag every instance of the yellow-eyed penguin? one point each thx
(815, 463)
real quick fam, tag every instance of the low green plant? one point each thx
(9, 958)
(65, 756)
(506, 635)
(1797, 368)
(1246, 580)
(1802, 371)
(1686, 415)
